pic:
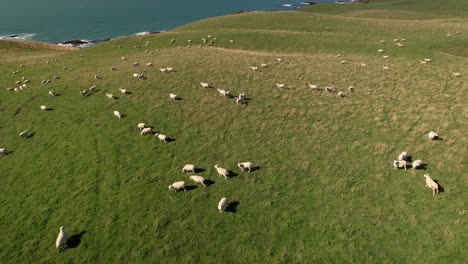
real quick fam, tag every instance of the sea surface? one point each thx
(61, 20)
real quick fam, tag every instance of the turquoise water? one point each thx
(60, 20)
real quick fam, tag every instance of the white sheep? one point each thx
(135, 64)
(279, 60)
(385, 56)
(363, 65)
(329, 89)
(239, 100)
(43, 107)
(253, 68)
(162, 69)
(123, 58)
(61, 240)
(113, 69)
(53, 93)
(231, 41)
(145, 130)
(198, 179)
(457, 74)
(399, 164)
(343, 62)
(280, 85)
(123, 91)
(84, 93)
(263, 65)
(173, 96)
(427, 60)
(341, 94)
(385, 68)
(222, 204)
(189, 168)
(403, 155)
(245, 166)
(149, 64)
(433, 135)
(381, 50)
(117, 114)
(351, 88)
(97, 77)
(92, 88)
(4, 151)
(222, 171)
(417, 164)
(110, 96)
(382, 41)
(312, 86)
(223, 92)
(24, 134)
(141, 126)
(161, 137)
(170, 69)
(205, 85)
(177, 186)
(430, 183)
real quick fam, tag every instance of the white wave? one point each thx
(142, 33)
(287, 5)
(18, 36)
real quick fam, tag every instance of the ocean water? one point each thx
(60, 20)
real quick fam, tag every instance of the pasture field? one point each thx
(325, 190)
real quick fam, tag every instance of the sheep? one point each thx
(189, 168)
(141, 126)
(312, 86)
(161, 137)
(43, 107)
(222, 204)
(279, 60)
(231, 41)
(427, 60)
(382, 41)
(351, 88)
(263, 65)
(10, 89)
(4, 151)
(280, 85)
(84, 93)
(53, 93)
(110, 96)
(61, 240)
(24, 134)
(205, 85)
(253, 68)
(56, 77)
(400, 45)
(449, 35)
(123, 58)
(92, 88)
(16, 90)
(26, 81)
(198, 179)
(173, 96)
(162, 69)
(97, 77)
(385, 56)
(338, 55)
(329, 89)
(139, 76)
(363, 65)
(341, 94)
(433, 135)
(222, 171)
(223, 92)
(403, 155)
(395, 40)
(149, 64)
(135, 64)
(123, 91)
(113, 69)
(178, 186)
(117, 114)
(399, 164)
(189, 41)
(430, 183)
(64, 68)
(245, 166)
(172, 40)
(343, 62)
(457, 74)
(417, 164)
(145, 130)
(170, 69)
(385, 68)
(381, 50)
(239, 100)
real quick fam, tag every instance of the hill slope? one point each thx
(325, 189)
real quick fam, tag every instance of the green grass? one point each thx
(326, 190)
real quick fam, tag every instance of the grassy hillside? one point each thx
(325, 190)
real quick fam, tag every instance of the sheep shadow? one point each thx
(190, 187)
(232, 174)
(441, 189)
(31, 135)
(208, 182)
(49, 109)
(255, 168)
(169, 140)
(232, 207)
(75, 240)
(423, 166)
(178, 99)
(198, 170)
(409, 159)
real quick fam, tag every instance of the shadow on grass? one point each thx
(31, 135)
(191, 187)
(232, 207)
(169, 140)
(232, 174)
(75, 240)
(208, 182)
(441, 189)
(255, 168)
(199, 170)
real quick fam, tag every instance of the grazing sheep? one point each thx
(417, 164)
(253, 68)
(178, 186)
(433, 135)
(43, 107)
(385, 56)
(341, 94)
(189, 168)
(430, 183)
(10, 89)
(124, 91)
(113, 69)
(141, 126)
(110, 96)
(403, 155)
(395, 40)
(279, 60)
(92, 88)
(24, 134)
(135, 64)
(385, 68)
(449, 35)
(64, 68)
(263, 65)
(84, 93)
(4, 151)
(399, 164)
(457, 74)
(351, 88)
(280, 85)
(427, 60)
(145, 130)
(382, 41)
(343, 62)
(239, 100)
(149, 64)
(123, 58)
(61, 240)
(312, 86)
(56, 77)
(231, 41)
(222, 171)
(222, 204)
(329, 89)
(162, 69)
(117, 114)
(161, 137)
(224, 92)
(173, 96)
(53, 93)
(97, 77)
(205, 85)
(363, 65)
(381, 50)
(198, 179)
(170, 69)
(245, 166)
